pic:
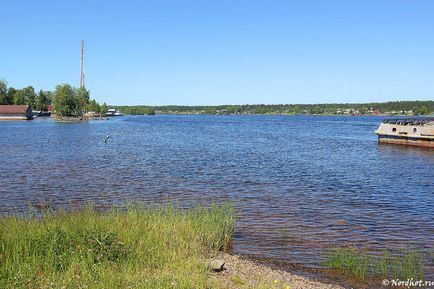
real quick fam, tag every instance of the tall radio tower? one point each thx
(82, 78)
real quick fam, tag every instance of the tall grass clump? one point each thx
(404, 264)
(137, 247)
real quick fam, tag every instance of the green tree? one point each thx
(423, 110)
(19, 97)
(10, 96)
(42, 101)
(84, 95)
(150, 111)
(50, 96)
(66, 101)
(104, 108)
(3, 92)
(93, 106)
(30, 96)
(317, 110)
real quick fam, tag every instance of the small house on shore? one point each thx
(15, 112)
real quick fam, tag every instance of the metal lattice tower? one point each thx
(82, 78)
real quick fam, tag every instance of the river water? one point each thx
(301, 183)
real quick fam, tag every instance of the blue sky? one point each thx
(223, 52)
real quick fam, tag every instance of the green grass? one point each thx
(237, 280)
(387, 264)
(138, 247)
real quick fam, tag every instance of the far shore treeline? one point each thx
(388, 108)
(67, 100)
(73, 102)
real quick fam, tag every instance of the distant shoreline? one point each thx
(405, 108)
(283, 114)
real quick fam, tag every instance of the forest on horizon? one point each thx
(422, 107)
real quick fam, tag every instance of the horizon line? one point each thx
(318, 103)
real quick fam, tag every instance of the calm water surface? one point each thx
(302, 183)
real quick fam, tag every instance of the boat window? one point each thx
(394, 129)
(415, 130)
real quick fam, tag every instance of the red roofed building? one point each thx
(15, 112)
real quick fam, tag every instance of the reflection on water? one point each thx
(302, 184)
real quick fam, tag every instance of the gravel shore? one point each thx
(242, 273)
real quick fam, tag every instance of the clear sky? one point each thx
(223, 52)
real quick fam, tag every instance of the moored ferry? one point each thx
(408, 131)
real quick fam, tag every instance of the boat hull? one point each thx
(421, 142)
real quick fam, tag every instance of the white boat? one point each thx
(113, 112)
